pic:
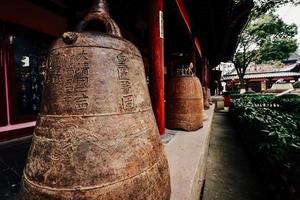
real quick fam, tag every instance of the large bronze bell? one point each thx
(96, 135)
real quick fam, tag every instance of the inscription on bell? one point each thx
(81, 101)
(81, 80)
(128, 102)
(73, 77)
(125, 84)
(54, 68)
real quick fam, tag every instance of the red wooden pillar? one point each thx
(157, 63)
(204, 72)
(207, 73)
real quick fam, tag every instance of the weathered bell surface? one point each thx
(96, 135)
(184, 105)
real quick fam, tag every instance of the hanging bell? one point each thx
(96, 135)
(184, 106)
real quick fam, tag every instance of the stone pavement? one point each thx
(230, 174)
(12, 162)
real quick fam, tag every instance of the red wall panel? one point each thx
(31, 16)
(3, 118)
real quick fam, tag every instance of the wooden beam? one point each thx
(198, 46)
(51, 6)
(31, 16)
(184, 14)
(187, 21)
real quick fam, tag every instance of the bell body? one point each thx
(206, 96)
(184, 105)
(209, 96)
(96, 135)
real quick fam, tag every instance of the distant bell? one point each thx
(184, 107)
(96, 137)
(206, 98)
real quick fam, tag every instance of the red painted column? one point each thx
(203, 65)
(208, 74)
(157, 63)
(5, 59)
(204, 70)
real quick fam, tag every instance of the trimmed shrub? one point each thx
(273, 138)
(297, 84)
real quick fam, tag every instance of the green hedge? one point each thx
(288, 102)
(273, 137)
(297, 84)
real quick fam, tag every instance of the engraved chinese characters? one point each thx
(125, 83)
(96, 135)
(184, 106)
(75, 79)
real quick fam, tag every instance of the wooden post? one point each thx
(204, 72)
(157, 63)
(207, 73)
(203, 66)
(6, 69)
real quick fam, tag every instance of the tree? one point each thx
(264, 6)
(266, 38)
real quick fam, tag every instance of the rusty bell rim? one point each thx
(92, 115)
(80, 188)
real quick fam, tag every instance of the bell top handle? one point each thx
(100, 12)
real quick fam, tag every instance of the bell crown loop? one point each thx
(100, 6)
(99, 11)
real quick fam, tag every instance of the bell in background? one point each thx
(209, 97)
(184, 105)
(96, 136)
(206, 96)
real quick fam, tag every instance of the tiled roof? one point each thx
(258, 69)
(262, 75)
(294, 56)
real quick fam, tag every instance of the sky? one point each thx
(291, 14)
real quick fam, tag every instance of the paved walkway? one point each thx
(12, 162)
(230, 174)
